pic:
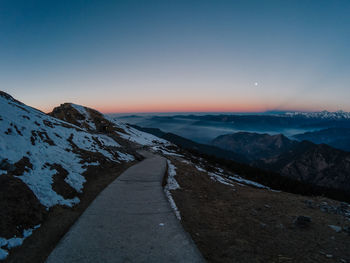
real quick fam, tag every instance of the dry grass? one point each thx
(246, 224)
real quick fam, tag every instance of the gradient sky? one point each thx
(160, 56)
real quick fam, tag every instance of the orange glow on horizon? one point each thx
(177, 108)
(184, 107)
(191, 108)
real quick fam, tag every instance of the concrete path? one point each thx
(130, 221)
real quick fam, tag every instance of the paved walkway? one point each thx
(130, 221)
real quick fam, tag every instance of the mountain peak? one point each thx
(81, 116)
(9, 97)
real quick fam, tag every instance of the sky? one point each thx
(177, 56)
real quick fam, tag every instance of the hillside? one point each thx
(237, 220)
(47, 163)
(254, 145)
(194, 146)
(336, 137)
(317, 164)
(313, 164)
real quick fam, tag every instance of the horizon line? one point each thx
(218, 112)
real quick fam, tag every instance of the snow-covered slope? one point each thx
(93, 120)
(140, 137)
(42, 141)
(44, 157)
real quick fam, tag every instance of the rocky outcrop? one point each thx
(83, 117)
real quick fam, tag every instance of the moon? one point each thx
(256, 84)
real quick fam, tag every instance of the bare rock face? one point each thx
(67, 113)
(83, 117)
(302, 221)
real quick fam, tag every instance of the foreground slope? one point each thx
(232, 219)
(44, 162)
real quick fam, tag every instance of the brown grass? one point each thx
(246, 224)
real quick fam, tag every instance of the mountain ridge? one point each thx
(317, 164)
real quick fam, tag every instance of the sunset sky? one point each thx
(165, 56)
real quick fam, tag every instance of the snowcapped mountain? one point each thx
(337, 115)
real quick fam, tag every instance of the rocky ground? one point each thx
(234, 222)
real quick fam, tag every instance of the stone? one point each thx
(262, 225)
(335, 228)
(302, 221)
(253, 212)
(309, 203)
(343, 208)
(280, 226)
(347, 229)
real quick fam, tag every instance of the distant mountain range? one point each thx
(291, 120)
(314, 164)
(317, 164)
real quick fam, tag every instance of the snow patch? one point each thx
(172, 185)
(248, 182)
(125, 157)
(14, 242)
(137, 136)
(161, 149)
(230, 180)
(220, 179)
(83, 111)
(3, 254)
(200, 169)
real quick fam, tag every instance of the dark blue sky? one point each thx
(177, 55)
